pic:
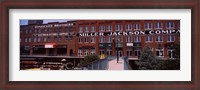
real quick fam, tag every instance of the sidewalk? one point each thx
(113, 65)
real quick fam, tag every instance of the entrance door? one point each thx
(71, 52)
(51, 53)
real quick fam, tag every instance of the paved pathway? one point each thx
(113, 65)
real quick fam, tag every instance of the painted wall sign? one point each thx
(122, 33)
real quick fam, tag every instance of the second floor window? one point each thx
(109, 40)
(170, 38)
(92, 40)
(149, 39)
(128, 39)
(137, 39)
(159, 38)
(101, 40)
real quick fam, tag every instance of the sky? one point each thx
(25, 21)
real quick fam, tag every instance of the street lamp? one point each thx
(116, 46)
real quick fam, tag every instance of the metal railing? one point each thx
(126, 63)
(101, 64)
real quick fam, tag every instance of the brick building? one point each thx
(103, 37)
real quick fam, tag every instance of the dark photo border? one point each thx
(99, 4)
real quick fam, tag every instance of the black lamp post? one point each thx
(116, 46)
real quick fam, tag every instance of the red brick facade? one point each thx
(85, 37)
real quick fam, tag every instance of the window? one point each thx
(120, 39)
(101, 40)
(80, 29)
(80, 40)
(66, 37)
(159, 38)
(48, 39)
(55, 38)
(92, 51)
(39, 39)
(137, 52)
(92, 40)
(45, 39)
(29, 39)
(39, 31)
(158, 25)
(20, 31)
(170, 38)
(160, 52)
(30, 31)
(35, 31)
(148, 26)
(128, 27)
(170, 25)
(109, 40)
(109, 28)
(86, 40)
(129, 52)
(128, 39)
(34, 40)
(86, 29)
(136, 26)
(108, 52)
(171, 53)
(101, 28)
(93, 29)
(80, 53)
(118, 27)
(101, 52)
(149, 38)
(137, 39)
(59, 38)
(26, 40)
(26, 31)
(86, 52)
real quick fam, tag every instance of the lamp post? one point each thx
(116, 46)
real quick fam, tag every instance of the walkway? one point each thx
(113, 65)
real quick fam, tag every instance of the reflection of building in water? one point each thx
(103, 37)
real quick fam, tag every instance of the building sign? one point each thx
(125, 33)
(151, 32)
(54, 25)
(105, 45)
(49, 45)
(129, 44)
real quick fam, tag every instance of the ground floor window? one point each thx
(92, 51)
(86, 52)
(137, 52)
(80, 53)
(108, 52)
(24, 50)
(160, 52)
(171, 53)
(129, 52)
(39, 51)
(101, 52)
(61, 51)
